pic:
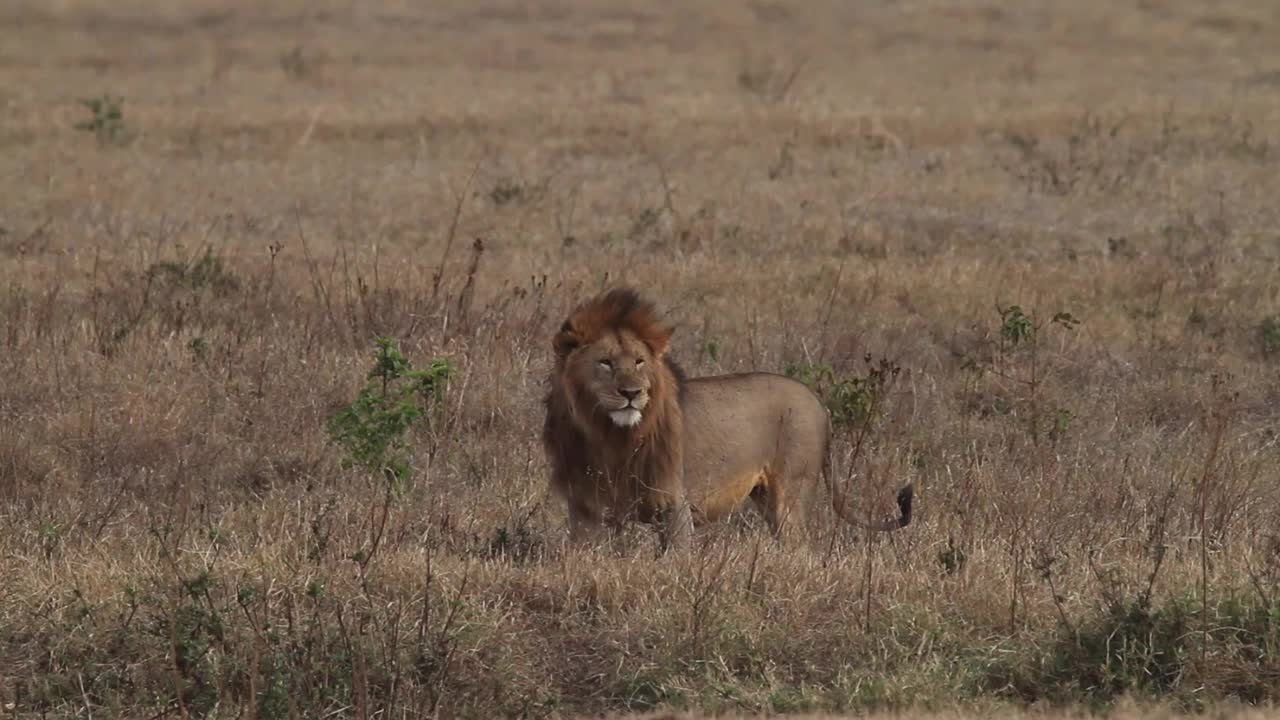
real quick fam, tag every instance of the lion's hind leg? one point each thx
(771, 497)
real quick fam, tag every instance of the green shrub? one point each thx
(1269, 335)
(106, 118)
(372, 428)
(853, 401)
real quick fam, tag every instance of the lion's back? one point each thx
(736, 424)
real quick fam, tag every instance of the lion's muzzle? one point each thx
(633, 403)
(630, 417)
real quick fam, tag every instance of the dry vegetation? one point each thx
(192, 280)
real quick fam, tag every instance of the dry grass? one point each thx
(188, 294)
(1126, 711)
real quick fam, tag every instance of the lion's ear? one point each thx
(566, 341)
(658, 339)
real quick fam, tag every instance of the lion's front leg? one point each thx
(585, 527)
(675, 527)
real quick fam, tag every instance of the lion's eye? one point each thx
(606, 364)
(640, 363)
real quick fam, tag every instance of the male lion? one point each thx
(630, 438)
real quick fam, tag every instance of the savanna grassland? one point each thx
(1057, 221)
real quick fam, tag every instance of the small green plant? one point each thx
(1061, 424)
(208, 271)
(298, 64)
(645, 221)
(768, 77)
(50, 538)
(852, 401)
(1018, 358)
(1015, 327)
(785, 164)
(315, 588)
(792, 699)
(952, 558)
(106, 118)
(517, 543)
(506, 191)
(711, 349)
(648, 690)
(372, 428)
(1269, 336)
(199, 348)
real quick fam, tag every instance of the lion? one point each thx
(630, 438)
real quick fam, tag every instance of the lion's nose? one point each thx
(630, 394)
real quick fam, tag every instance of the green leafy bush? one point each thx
(394, 398)
(852, 400)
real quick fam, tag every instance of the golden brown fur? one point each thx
(629, 438)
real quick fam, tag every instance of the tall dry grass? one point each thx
(189, 295)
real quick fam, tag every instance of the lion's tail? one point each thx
(840, 503)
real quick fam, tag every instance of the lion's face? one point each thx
(610, 360)
(615, 372)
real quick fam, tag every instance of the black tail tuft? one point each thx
(905, 497)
